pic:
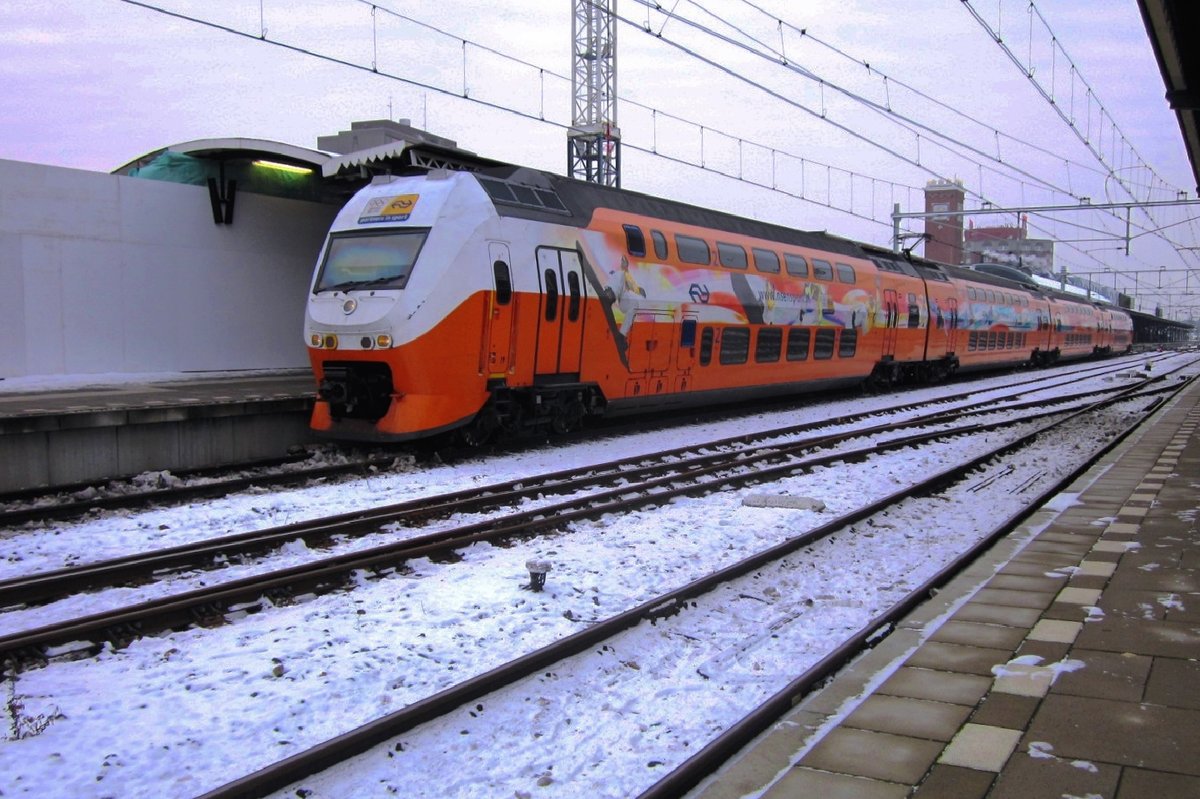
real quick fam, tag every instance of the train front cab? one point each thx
(401, 356)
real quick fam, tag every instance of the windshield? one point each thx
(375, 260)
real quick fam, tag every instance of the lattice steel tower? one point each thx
(594, 141)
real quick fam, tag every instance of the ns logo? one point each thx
(699, 293)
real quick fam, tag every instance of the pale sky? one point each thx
(95, 84)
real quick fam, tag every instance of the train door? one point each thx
(685, 356)
(891, 307)
(500, 313)
(952, 335)
(560, 322)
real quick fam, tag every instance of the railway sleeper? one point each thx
(21, 659)
(210, 615)
(122, 635)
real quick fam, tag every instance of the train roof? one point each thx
(527, 193)
(568, 201)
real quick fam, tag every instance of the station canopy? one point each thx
(257, 165)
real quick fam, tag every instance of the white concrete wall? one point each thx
(100, 273)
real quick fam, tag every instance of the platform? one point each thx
(60, 434)
(1064, 663)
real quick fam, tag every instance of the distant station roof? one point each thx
(1174, 29)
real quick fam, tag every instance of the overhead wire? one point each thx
(801, 106)
(374, 69)
(764, 50)
(653, 150)
(1096, 149)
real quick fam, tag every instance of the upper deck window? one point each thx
(370, 260)
(796, 265)
(845, 274)
(822, 270)
(660, 245)
(731, 255)
(766, 261)
(692, 250)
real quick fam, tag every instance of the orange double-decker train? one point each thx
(508, 298)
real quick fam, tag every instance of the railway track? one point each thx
(68, 502)
(71, 502)
(44, 587)
(666, 609)
(625, 485)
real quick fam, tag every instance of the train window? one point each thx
(501, 192)
(550, 200)
(576, 301)
(687, 336)
(914, 311)
(970, 293)
(797, 343)
(766, 261)
(845, 274)
(732, 256)
(769, 345)
(735, 346)
(706, 346)
(692, 250)
(822, 270)
(660, 245)
(823, 345)
(503, 283)
(377, 260)
(848, 343)
(551, 295)
(525, 196)
(635, 241)
(796, 265)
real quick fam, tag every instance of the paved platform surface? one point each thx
(202, 388)
(1067, 664)
(59, 436)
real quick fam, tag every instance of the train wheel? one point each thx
(568, 417)
(479, 430)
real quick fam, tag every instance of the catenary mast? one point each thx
(594, 141)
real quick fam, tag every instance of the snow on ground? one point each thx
(178, 714)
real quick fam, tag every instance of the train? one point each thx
(499, 299)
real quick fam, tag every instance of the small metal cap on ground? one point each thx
(537, 573)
